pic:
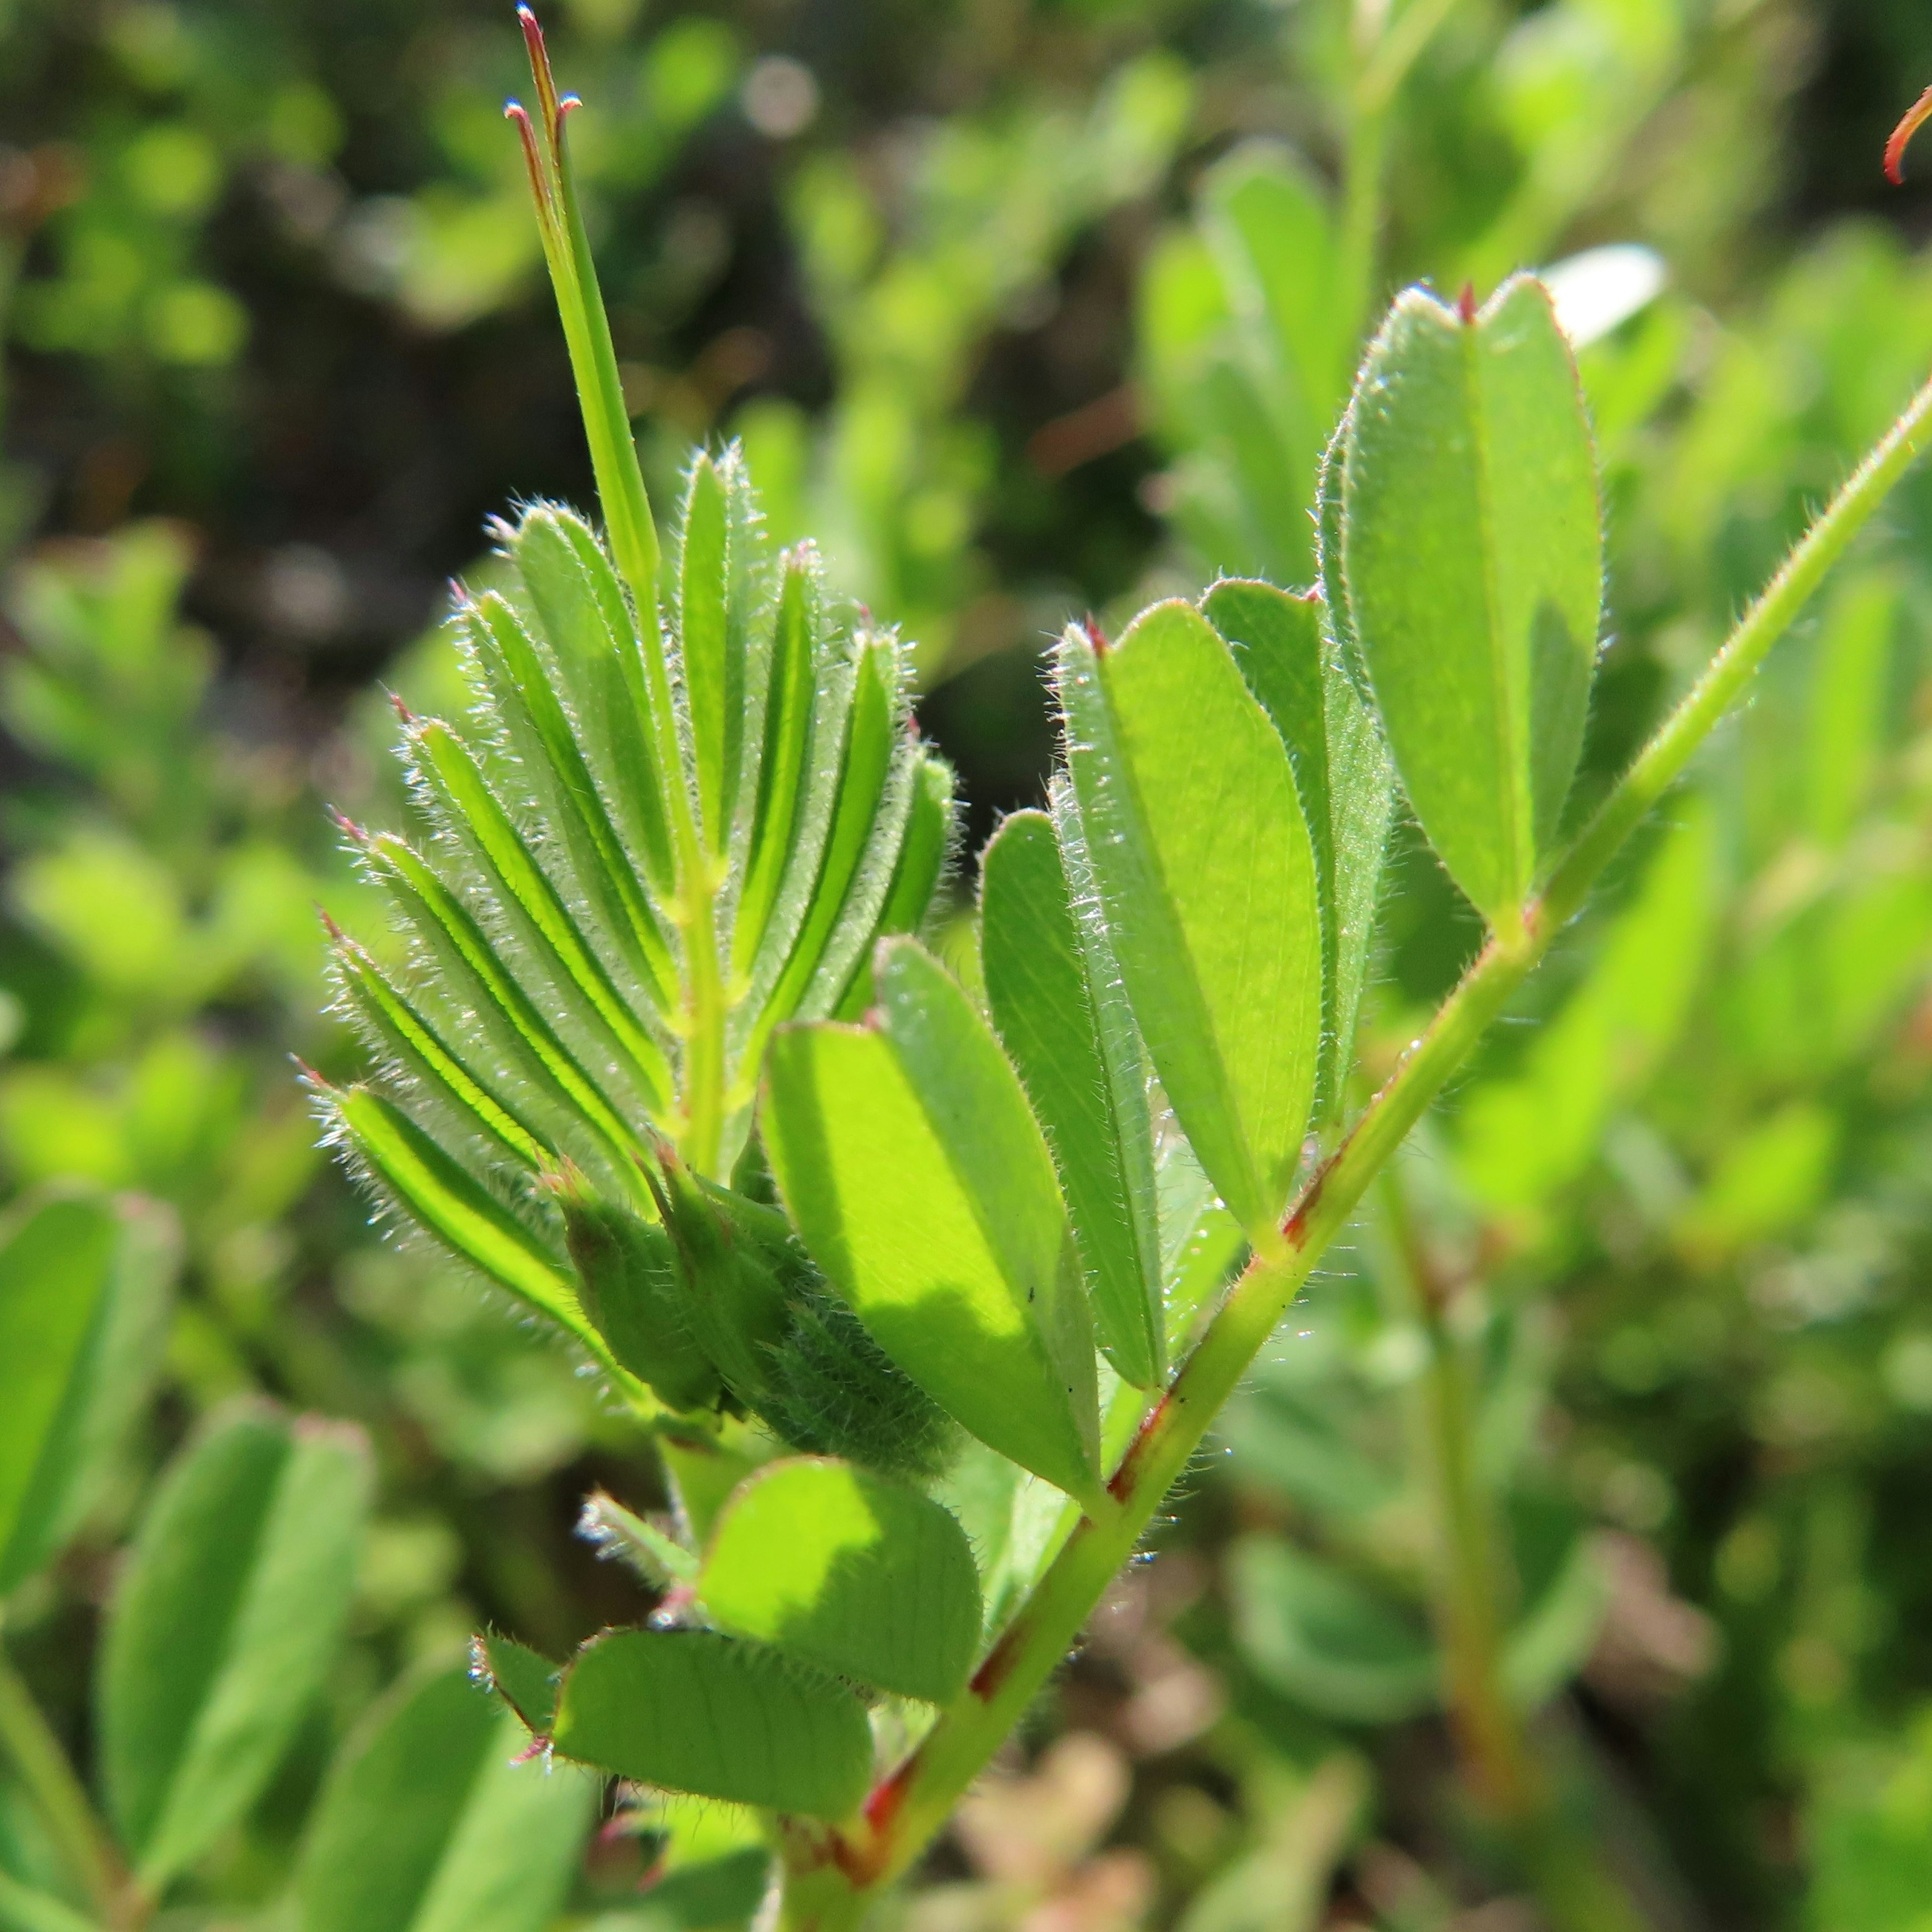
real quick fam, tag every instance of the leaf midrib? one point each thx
(1513, 805)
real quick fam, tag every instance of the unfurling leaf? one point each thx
(693, 1710)
(1054, 990)
(856, 1576)
(919, 1181)
(1207, 882)
(1470, 561)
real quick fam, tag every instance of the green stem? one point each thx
(834, 1876)
(30, 1745)
(587, 332)
(1578, 1891)
(635, 550)
(1660, 764)
(1470, 1615)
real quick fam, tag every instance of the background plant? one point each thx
(464, 1406)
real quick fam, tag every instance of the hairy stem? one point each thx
(834, 1876)
(28, 1742)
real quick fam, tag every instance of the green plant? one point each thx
(620, 1084)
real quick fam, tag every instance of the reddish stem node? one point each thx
(1466, 303)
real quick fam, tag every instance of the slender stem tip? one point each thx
(1915, 118)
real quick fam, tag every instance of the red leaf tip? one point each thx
(1916, 116)
(1466, 303)
(1095, 636)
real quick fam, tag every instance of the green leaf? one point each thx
(693, 1711)
(788, 729)
(1326, 1640)
(1472, 555)
(525, 1679)
(440, 1072)
(872, 736)
(587, 622)
(57, 1261)
(919, 1181)
(429, 1823)
(863, 1578)
(480, 988)
(223, 1626)
(1055, 1000)
(713, 681)
(646, 1548)
(475, 817)
(923, 853)
(564, 795)
(1346, 784)
(1207, 882)
(440, 1196)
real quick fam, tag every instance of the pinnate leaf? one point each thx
(1472, 553)
(859, 1576)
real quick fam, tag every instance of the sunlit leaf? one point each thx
(920, 1182)
(1471, 554)
(859, 1576)
(1055, 998)
(693, 1710)
(1208, 883)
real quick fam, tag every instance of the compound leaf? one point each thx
(861, 1577)
(695, 1710)
(1472, 548)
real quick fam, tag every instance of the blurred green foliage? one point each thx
(1020, 310)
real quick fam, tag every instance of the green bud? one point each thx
(730, 1295)
(627, 1285)
(835, 1392)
